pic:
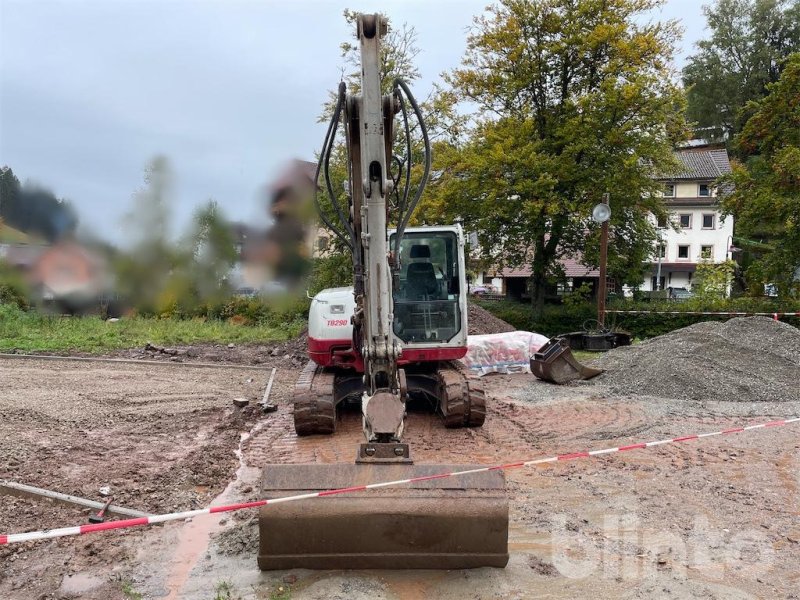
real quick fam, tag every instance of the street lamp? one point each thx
(601, 214)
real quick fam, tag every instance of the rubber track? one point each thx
(314, 407)
(461, 400)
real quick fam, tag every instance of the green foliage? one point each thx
(163, 278)
(335, 270)
(766, 189)
(563, 319)
(129, 591)
(711, 280)
(13, 289)
(32, 332)
(143, 270)
(553, 320)
(749, 42)
(224, 591)
(580, 295)
(574, 98)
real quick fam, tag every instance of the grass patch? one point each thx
(129, 591)
(31, 332)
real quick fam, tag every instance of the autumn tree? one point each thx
(570, 99)
(749, 42)
(765, 196)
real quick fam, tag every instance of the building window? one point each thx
(669, 190)
(654, 283)
(705, 189)
(708, 221)
(661, 222)
(322, 244)
(686, 221)
(683, 252)
(707, 252)
(661, 251)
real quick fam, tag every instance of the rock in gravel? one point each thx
(746, 359)
(240, 402)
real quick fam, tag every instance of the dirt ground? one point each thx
(716, 518)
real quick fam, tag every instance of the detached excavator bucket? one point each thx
(555, 363)
(448, 523)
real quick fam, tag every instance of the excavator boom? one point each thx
(403, 326)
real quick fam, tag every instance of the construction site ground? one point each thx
(716, 518)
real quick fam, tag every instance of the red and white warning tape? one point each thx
(774, 315)
(126, 523)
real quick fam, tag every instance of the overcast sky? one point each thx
(227, 90)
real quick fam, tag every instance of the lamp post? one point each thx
(729, 250)
(658, 271)
(601, 214)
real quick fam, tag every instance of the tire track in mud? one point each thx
(512, 430)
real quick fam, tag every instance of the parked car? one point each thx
(679, 293)
(482, 290)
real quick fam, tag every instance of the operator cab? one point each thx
(427, 307)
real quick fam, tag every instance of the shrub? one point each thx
(13, 289)
(563, 319)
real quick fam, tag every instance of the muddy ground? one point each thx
(718, 518)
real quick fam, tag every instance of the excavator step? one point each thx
(450, 523)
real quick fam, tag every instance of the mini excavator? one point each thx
(396, 334)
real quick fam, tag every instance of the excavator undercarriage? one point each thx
(319, 391)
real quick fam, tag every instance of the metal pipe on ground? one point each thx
(12, 488)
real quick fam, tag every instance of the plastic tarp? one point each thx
(502, 352)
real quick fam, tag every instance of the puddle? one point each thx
(194, 537)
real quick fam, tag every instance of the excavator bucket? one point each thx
(446, 523)
(555, 363)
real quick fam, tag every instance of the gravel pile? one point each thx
(481, 321)
(746, 359)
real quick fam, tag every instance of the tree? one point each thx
(212, 254)
(572, 99)
(765, 196)
(750, 40)
(34, 209)
(143, 270)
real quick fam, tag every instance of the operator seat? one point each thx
(420, 277)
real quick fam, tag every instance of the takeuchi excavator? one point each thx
(395, 335)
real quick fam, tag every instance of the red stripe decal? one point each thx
(91, 527)
(734, 430)
(3, 539)
(429, 477)
(229, 507)
(573, 455)
(774, 423)
(507, 466)
(631, 447)
(358, 488)
(683, 439)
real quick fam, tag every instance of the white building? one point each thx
(702, 234)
